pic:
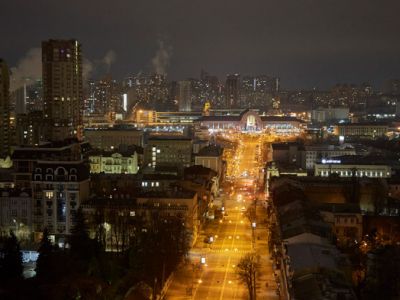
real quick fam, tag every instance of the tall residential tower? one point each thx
(185, 95)
(4, 109)
(232, 91)
(62, 89)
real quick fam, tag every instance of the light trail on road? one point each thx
(219, 280)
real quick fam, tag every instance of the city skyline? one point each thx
(306, 44)
(199, 150)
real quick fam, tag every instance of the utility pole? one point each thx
(155, 289)
(254, 284)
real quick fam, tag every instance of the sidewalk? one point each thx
(267, 283)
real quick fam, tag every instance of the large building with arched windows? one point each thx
(251, 121)
(59, 187)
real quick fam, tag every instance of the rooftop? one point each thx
(210, 150)
(172, 194)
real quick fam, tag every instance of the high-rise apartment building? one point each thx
(62, 89)
(4, 109)
(150, 90)
(258, 91)
(185, 95)
(232, 91)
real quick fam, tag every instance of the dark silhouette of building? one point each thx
(232, 91)
(4, 109)
(62, 89)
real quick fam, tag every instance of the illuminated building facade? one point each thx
(353, 166)
(250, 120)
(313, 153)
(114, 162)
(361, 130)
(321, 115)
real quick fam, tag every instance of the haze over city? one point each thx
(305, 43)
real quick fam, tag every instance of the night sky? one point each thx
(306, 43)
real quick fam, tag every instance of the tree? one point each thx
(11, 261)
(83, 248)
(46, 252)
(247, 270)
(383, 272)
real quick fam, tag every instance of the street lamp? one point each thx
(253, 227)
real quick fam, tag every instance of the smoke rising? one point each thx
(109, 59)
(161, 60)
(28, 69)
(87, 68)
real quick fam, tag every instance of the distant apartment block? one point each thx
(361, 130)
(333, 114)
(112, 138)
(168, 151)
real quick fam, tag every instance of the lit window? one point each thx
(157, 183)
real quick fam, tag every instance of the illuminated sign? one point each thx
(331, 161)
(125, 102)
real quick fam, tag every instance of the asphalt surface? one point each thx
(215, 277)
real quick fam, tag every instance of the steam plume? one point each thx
(161, 60)
(28, 68)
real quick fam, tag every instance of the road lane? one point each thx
(218, 278)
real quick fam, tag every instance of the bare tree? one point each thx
(247, 269)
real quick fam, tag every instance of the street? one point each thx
(211, 273)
